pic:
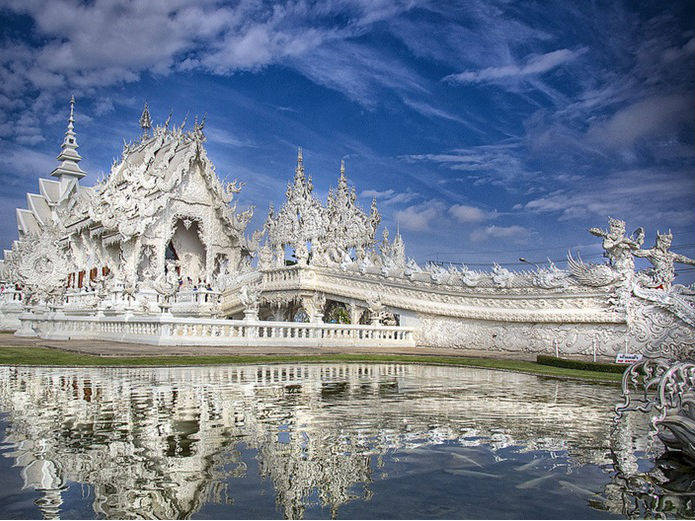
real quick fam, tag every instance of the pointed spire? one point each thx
(145, 121)
(299, 170)
(69, 169)
(342, 181)
(71, 119)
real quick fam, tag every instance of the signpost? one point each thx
(624, 358)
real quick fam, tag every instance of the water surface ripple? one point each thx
(309, 441)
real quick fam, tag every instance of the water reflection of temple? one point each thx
(163, 442)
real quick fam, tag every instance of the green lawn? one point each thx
(55, 357)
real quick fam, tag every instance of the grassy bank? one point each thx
(55, 357)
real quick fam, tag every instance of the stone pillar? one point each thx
(251, 315)
(355, 313)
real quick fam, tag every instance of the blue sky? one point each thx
(488, 130)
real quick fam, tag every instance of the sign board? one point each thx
(624, 358)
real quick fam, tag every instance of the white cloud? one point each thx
(28, 163)
(103, 106)
(116, 41)
(516, 233)
(535, 64)
(654, 115)
(420, 217)
(468, 214)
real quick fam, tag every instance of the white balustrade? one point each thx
(284, 274)
(8, 294)
(198, 296)
(168, 330)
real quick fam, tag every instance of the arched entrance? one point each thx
(188, 249)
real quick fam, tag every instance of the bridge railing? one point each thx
(166, 330)
(282, 274)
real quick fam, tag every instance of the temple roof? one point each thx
(153, 170)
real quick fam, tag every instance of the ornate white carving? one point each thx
(411, 268)
(250, 297)
(167, 284)
(125, 222)
(377, 310)
(332, 231)
(163, 217)
(502, 277)
(619, 247)
(551, 277)
(591, 274)
(663, 388)
(662, 273)
(39, 265)
(438, 274)
(314, 306)
(471, 278)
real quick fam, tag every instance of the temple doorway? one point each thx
(187, 248)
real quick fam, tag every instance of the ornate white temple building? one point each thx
(158, 253)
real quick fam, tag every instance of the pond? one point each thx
(318, 441)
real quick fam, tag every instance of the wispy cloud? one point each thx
(643, 195)
(103, 106)
(224, 137)
(25, 162)
(534, 65)
(390, 196)
(428, 110)
(500, 165)
(361, 73)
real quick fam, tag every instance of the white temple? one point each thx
(157, 253)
